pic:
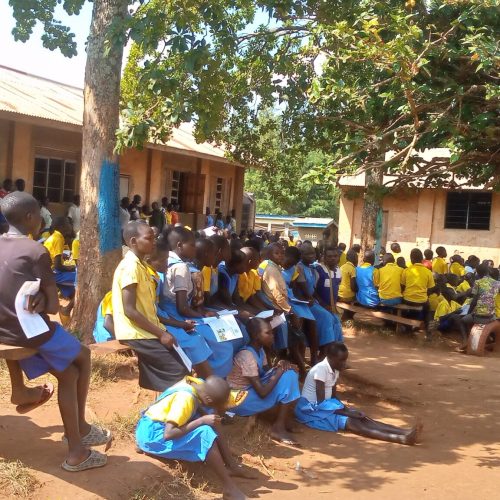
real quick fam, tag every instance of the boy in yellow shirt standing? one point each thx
(348, 287)
(388, 281)
(134, 313)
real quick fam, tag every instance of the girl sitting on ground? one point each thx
(266, 388)
(320, 409)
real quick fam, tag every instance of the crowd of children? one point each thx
(173, 281)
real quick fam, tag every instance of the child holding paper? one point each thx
(24, 260)
(181, 301)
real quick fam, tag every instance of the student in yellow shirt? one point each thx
(134, 313)
(457, 265)
(446, 312)
(418, 283)
(211, 273)
(439, 265)
(388, 281)
(249, 284)
(174, 428)
(342, 257)
(348, 287)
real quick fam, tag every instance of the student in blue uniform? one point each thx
(266, 389)
(104, 328)
(328, 324)
(193, 344)
(329, 277)
(320, 409)
(367, 294)
(183, 297)
(180, 425)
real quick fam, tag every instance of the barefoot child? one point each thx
(320, 409)
(266, 389)
(178, 427)
(58, 352)
(134, 313)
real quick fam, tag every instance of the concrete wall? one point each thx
(149, 171)
(416, 219)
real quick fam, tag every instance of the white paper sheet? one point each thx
(225, 312)
(265, 314)
(187, 362)
(31, 323)
(225, 327)
(298, 301)
(278, 320)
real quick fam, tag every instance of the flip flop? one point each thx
(46, 394)
(97, 436)
(93, 461)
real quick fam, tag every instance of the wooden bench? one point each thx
(14, 353)
(109, 347)
(397, 318)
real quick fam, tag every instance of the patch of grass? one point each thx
(123, 426)
(179, 486)
(16, 479)
(105, 368)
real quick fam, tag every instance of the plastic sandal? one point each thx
(93, 461)
(97, 436)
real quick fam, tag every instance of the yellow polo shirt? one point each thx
(131, 270)
(249, 284)
(445, 307)
(417, 279)
(75, 249)
(55, 245)
(342, 259)
(348, 271)
(463, 287)
(439, 266)
(388, 281)
(434, 300)
(457, 268)
(209, 274)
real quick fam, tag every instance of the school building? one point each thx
(41, 142)
(462, 218)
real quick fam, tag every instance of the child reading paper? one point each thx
(278, 387)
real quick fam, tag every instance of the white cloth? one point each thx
(74, 215)
(322, 371)
(46, 216)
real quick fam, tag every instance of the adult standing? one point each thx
(20, 185)
(135, 207)
(124, 213)
(74, 213)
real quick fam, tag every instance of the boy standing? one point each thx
(58, 352)
(134, 313)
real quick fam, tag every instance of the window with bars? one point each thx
(55, 178)
(175, 192)
(218, 192)
(468, 210)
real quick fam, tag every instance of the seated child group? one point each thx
(221, 325)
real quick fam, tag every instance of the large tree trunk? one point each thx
(371, 207)
(99, 184)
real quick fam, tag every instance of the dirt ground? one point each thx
(397, 379)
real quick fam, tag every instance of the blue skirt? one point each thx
(285, 391)
(193, 343)
(301, 310)
(321, 416)
(281, 332)
(328, 325)
(65, 281)
(221, 357)
(192, 447)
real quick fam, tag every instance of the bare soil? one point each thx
(394, 378)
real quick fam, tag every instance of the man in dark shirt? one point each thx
(58, 352)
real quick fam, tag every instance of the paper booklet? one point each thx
(187, 362)
(31, 323)
(265, 314)
(224, 327)
(278, 320)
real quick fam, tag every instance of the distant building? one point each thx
(41, 142)
(462, 218)
(312, 228)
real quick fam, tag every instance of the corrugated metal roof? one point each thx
(358, 180)
(30, 95)
(320, 222)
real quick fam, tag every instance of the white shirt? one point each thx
(322, 371)
(46, 216)
(177, 278)
(124, 217)
(74, 215)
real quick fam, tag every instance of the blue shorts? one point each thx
(55, 355)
